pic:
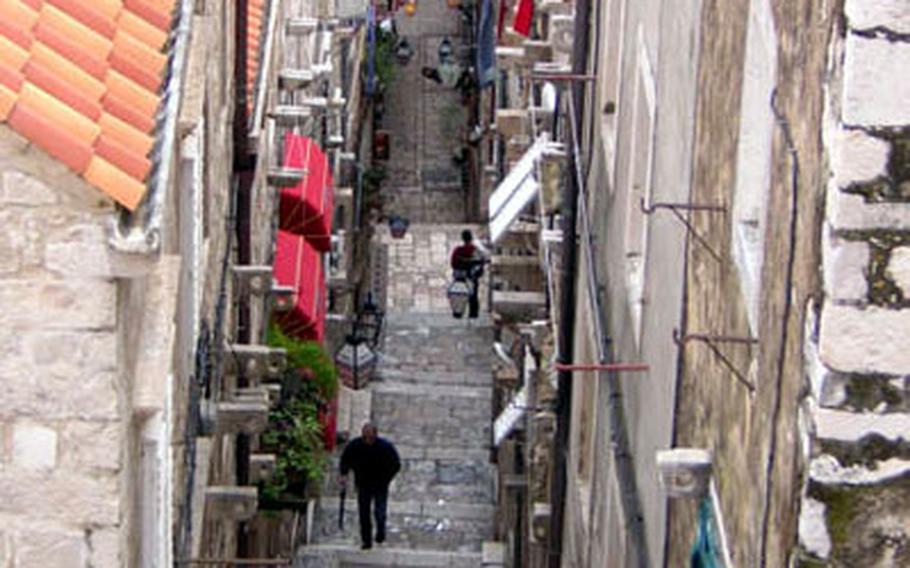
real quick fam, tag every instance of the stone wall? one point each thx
(62, 427)
(753, 434)
(857, 361)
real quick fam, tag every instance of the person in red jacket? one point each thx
(467, 262)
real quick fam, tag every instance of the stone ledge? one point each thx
(846, 212)
(876, 82)
(890, 14)
(844, 268)
(825, 469)
(870, 340)
(844, 426)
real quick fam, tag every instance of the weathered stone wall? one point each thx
(62, 429)
(213, 124)
(856, 486)
(754, 436)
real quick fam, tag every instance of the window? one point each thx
(639, 184)
(753, 168)
(610, 76)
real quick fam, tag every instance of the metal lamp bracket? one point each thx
(675, 208)
(711, 341)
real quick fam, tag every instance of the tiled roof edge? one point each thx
(266, 61)
(140, 232)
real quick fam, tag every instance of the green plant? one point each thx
(295, 435)
(385, 58)
(307, 355)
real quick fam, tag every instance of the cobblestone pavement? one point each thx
(432, 398)
(433, 394)
(418, 267)
(427, 124)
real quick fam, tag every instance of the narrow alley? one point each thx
(433, 400)
(432, 391)
(226, 230)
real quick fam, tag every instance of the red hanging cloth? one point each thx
(524, 15)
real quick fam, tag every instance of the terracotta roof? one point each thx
(83, 81)
(254, 31)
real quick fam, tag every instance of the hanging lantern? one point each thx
(403, 51)
(410, 7)
(369, 321)
(459, 295)
(355, 362)
(445, 51)
(398, 226)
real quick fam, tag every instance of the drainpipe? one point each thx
(567, 302)
(140, 232)
(244, 168)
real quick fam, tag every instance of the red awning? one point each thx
(299, 265)
(306, 209)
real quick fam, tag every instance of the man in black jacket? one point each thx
(375, 462)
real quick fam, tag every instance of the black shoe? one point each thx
(380, 539)
(366, 546)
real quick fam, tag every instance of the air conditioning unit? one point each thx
(562, 33)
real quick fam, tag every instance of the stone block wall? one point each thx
(62, 436)
(856, 416)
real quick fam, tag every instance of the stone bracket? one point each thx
(282, 177)
(234, 416)
(231, 503)
(254, 361)
(261, 467)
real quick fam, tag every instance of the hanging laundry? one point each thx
(524, 15)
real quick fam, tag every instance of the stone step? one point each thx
(415, 525)
(468, 377)
(408, 389)
(433, 416)
(433, 474)
(350, 556)
(411, 320)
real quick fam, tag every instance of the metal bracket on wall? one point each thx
(675, 208)
(711, 341)
(543, 76)
(608, 367)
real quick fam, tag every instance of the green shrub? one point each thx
(307, 355)
(295, 435)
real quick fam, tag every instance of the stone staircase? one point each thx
(432, 398)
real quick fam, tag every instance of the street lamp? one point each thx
(459, 295)
(403, 51)
(355, 362)
(398, 226)
(445, 51)
(369, 321)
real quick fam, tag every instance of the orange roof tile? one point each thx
(128, 191)
(81, 80)
(12, 54)
(142, 30)
(33, 123)
(88, 14)
(254, 32)
(7, 101)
